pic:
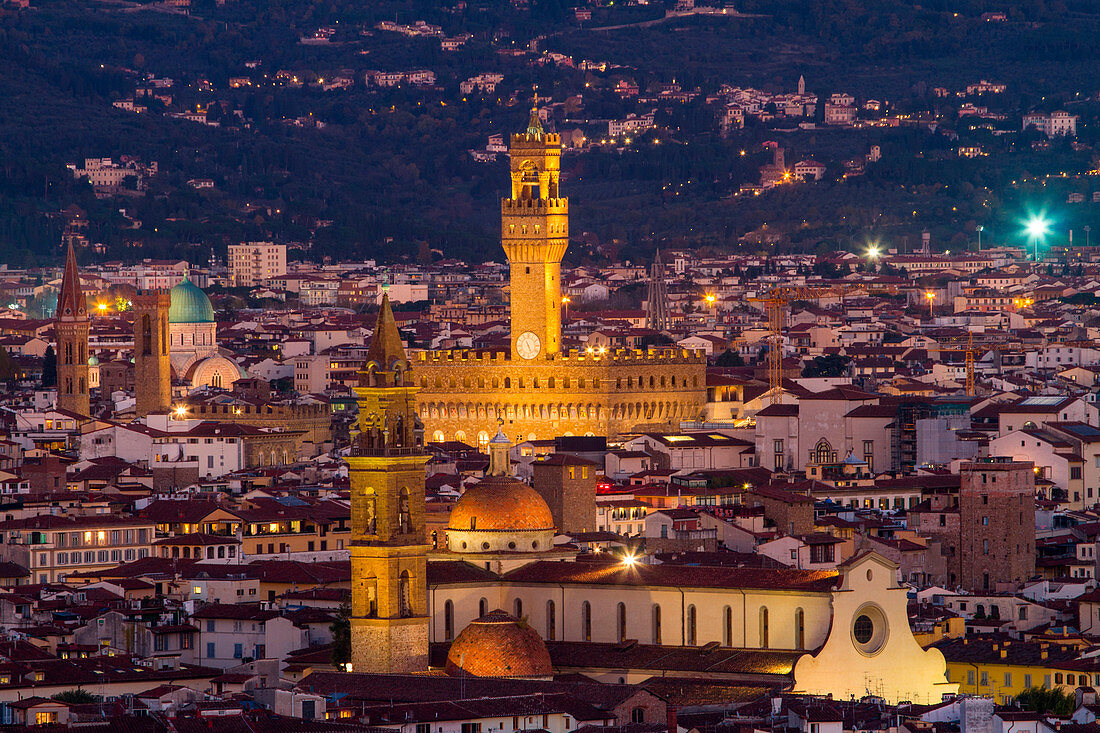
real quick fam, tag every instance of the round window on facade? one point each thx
(869, 629)
(463, 545)
(863, 629)
(535, 544)
(485, 545)
(511, 545)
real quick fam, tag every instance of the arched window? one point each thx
(621, 617)
(518, 605)
(727, 634)
(637, 715)
(824, 453)
(551, 622)
(691, 638)
(482, 607)
(146, 335)
(404, 519)
(406, 594)
(586, 620)
(371, 587)
(656, 624)
(448, 621)
(799, 629)
(763, 627)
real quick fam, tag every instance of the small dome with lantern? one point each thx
(500, 514)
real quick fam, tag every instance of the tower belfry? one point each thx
(389, 595)
(71, 330)
(656, 305)
(152, 365)
(534, 223)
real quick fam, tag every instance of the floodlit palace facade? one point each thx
(537, 389)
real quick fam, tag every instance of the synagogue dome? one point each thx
(190, 304)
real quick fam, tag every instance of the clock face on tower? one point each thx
(528, 345)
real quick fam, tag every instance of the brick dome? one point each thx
(499, 645)
(500, 504)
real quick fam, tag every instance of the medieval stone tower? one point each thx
(534, 225)
(71, 329)
(389, 597)
(152, 368)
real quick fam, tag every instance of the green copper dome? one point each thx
(190, 305)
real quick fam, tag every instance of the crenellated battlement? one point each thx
(509, 206)
(574, 357)
(541, 140)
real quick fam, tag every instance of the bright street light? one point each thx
(1037, 228)
(872, 252)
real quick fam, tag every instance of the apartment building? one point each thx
(53, 546)
(253, 263)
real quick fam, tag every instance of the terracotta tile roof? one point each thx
(672, 576)
(711, 659)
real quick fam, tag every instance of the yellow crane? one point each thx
(776, 302)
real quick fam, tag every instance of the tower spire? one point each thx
(70, 301)
(656, 307)
(386, 345)
(71, 332)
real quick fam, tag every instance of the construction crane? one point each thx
(992, 344)
(776, 302)
(969, 349)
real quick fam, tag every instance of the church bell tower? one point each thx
(152, 367)
(71, 329)
(534, 231)
(389, 596)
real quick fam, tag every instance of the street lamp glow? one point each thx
(630, 560)
(872, 252)
(1037, 226)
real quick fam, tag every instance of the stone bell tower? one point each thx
(71, 329)
(152, 367)
(389, 596)
(534, 231)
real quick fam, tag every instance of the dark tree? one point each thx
(75, 697)
(730, 358)
(49, 367)
(830, 365)
(1045, 701)
(341, 635)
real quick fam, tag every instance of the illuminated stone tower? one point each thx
(389, 597)
(71, 329)
(534, 230)
(152, 368)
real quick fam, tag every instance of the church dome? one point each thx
(93, 360)
(499, 645)
(500, 514)
(190, 304)
(500, 504)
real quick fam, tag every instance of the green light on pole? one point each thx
(1037, 228)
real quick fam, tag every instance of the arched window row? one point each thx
(648, 410)
(621, 383)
